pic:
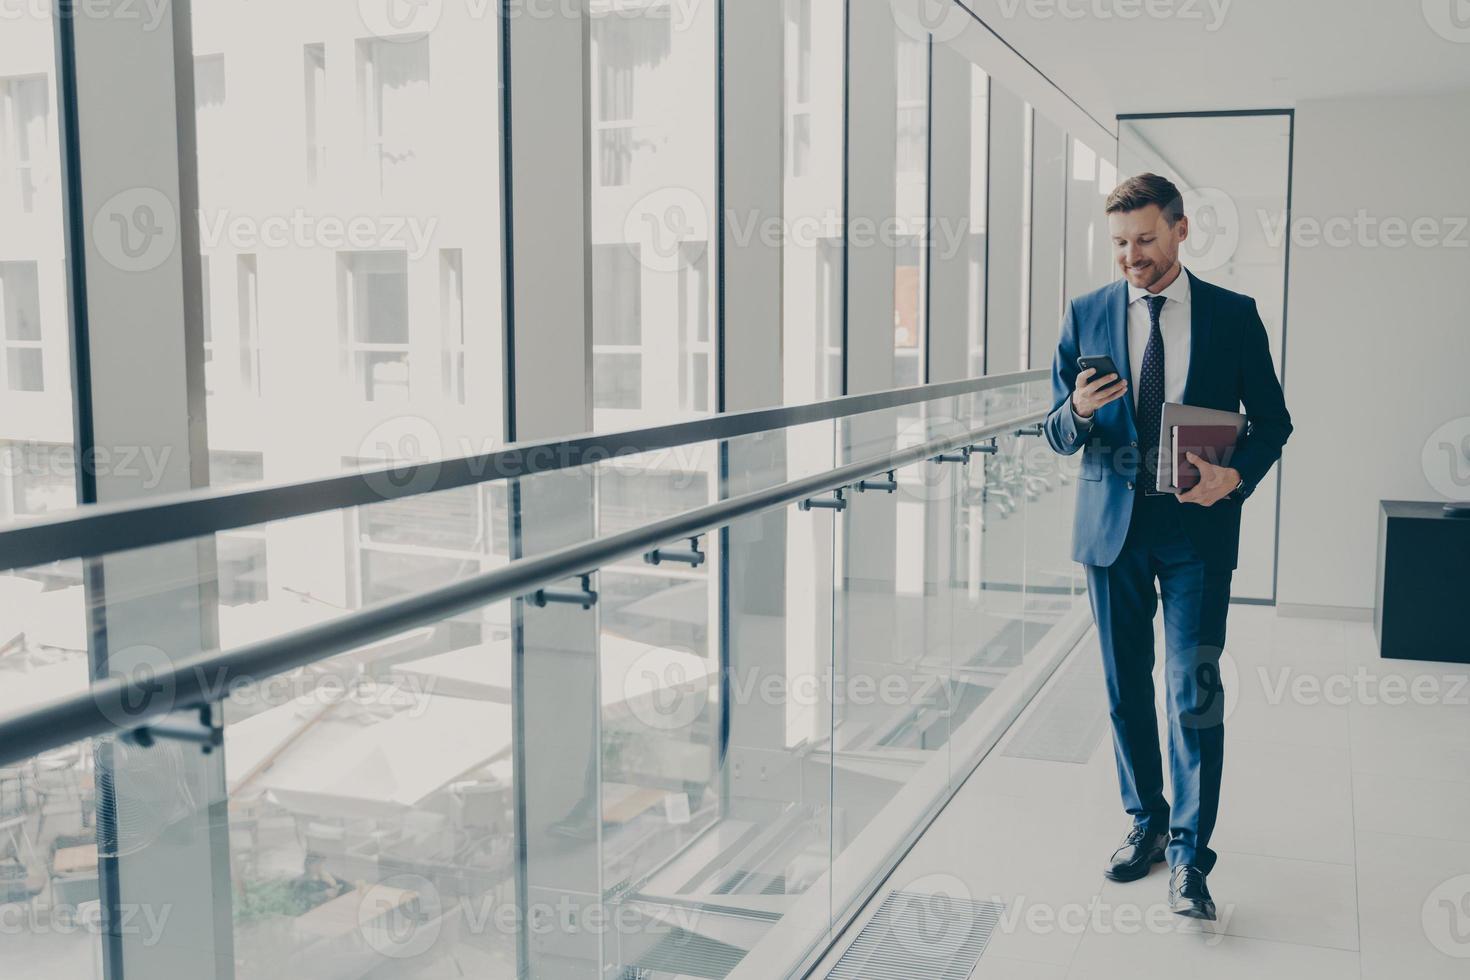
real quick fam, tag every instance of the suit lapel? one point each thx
(1199, 336)
(1118, 341)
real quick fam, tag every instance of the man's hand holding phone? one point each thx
(1093, 392)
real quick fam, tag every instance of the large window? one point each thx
(617, 327)
(393, 79)
(20, 311)
(911, 211)
(374, 292)
(977, 257)
(811, 287)
(651, 89)
(25, 138)
(314, 65)
(37, 465)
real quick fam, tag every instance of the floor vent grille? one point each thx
(1069, 721)
(687, 954)
(915, 936)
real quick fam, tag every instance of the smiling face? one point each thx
(1145, 245)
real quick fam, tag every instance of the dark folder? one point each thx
(1212, 443)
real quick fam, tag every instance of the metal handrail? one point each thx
(103, 529)
(125, 704)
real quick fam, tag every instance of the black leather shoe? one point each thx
(1140, 851)
(1188, 894)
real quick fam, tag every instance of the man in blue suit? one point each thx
(1177, 338)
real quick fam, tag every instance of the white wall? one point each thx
(1377, 339)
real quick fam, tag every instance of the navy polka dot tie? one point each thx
(1151, 396)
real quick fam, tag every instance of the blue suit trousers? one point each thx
(1196, 599)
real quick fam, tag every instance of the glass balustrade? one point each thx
(695, 760)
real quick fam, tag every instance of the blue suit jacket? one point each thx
(1229, 366)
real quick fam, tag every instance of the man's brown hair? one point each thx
(1144, 189)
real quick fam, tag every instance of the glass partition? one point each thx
(692, 760)
(51, 848)
(37, 458)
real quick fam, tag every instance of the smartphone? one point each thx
(1102, 362)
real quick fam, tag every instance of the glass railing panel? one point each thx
(370, 817)
(51, 850)
(988, 611)
(892, 641)
(44, 635)
(1053, 581)
(715, 787)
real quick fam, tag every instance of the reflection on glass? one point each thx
(979, 215)
(651, 84)
(911, 211)
(811, 298)
(36, 465)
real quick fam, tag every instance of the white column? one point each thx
(133, 254)
(549, 341)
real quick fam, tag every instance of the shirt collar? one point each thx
(1178, 290)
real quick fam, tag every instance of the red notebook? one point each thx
(1212, 443)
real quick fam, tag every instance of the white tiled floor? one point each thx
(1344, 834)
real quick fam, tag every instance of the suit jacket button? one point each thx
(1130, 486)
(1133, 444)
